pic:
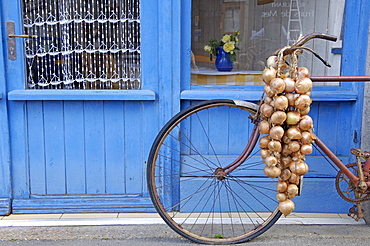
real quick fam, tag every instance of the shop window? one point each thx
(263, 29)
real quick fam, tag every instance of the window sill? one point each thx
(120, 95)
(321, 96)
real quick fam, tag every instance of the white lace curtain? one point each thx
(82, 44)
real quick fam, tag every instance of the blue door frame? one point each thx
(166, 49)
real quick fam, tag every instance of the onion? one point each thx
(264, 153)
(298, 167)
(294, 146)
(281, 197)
(267, 110)
(281, 102)
(268, 74)
(303, 86)
(293, 117)
(303, 102)
(276, 132)
(303, 72)
(306, 111)
(268, 100)
(278, 117)
(292, 189)
(268, 91)
(281, 186)
(274, 145)
(286, 207)
(272, 62)
(306, 123)
(293, 133)
(306, 138)
(277, 85)
(286, 160)
(272, 172)
(285, 174)
(264, 127)
(306, 149)
(285, 150)
(264, 142)
(294, 179)
(271, 161)
(291, 98)
(289, 85)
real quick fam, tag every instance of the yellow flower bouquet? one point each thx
(229, 43)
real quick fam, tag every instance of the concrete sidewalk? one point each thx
(149, 229)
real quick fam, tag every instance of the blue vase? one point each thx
(223, 62)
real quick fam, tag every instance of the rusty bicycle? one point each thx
(206, 178)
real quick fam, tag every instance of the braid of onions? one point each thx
(287, 126)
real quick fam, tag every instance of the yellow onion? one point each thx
(276, 132)
(291, 98)
(306, 123)
(293, 117)
(293, 133)
(285, 150)
(274, 145)
(294, 146)
(306, 149)
(277, 85)
(271, 161)
(294, 179)
(264, 142)
(272, 62)
(289, 85)
(303, 86)
(272, 171)
(264, 153)
(268, 91)
(268, 74)
(292, 189)
(305, 111)
(286, 160)
(306, 138)
(303, 72)
(264, 127)
(285, 174)
(281, 186)
(281, 197)
(278, 117)
(268, 100)
(286, 207)
(303, 102)
(267, 110)
(298, 167)
(281, 102)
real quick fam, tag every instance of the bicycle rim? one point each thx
(182, 181)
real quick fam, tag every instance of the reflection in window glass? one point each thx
(264, 29)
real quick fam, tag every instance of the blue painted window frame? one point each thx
(147, 93)
(356, 23)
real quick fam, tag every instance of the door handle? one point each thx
(21, 36)
(12, 52)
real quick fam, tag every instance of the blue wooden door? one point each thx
(81, 150)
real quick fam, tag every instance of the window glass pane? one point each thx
(82, 44)
(263, 29)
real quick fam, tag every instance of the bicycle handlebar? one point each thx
(304, 40)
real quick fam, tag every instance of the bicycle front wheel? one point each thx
(185, 185)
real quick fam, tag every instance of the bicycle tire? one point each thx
(184, 189)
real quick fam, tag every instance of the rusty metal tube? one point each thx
(339, 78)
(336, 160)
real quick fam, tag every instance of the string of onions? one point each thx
(287, 126)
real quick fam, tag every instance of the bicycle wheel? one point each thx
(184, 181)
